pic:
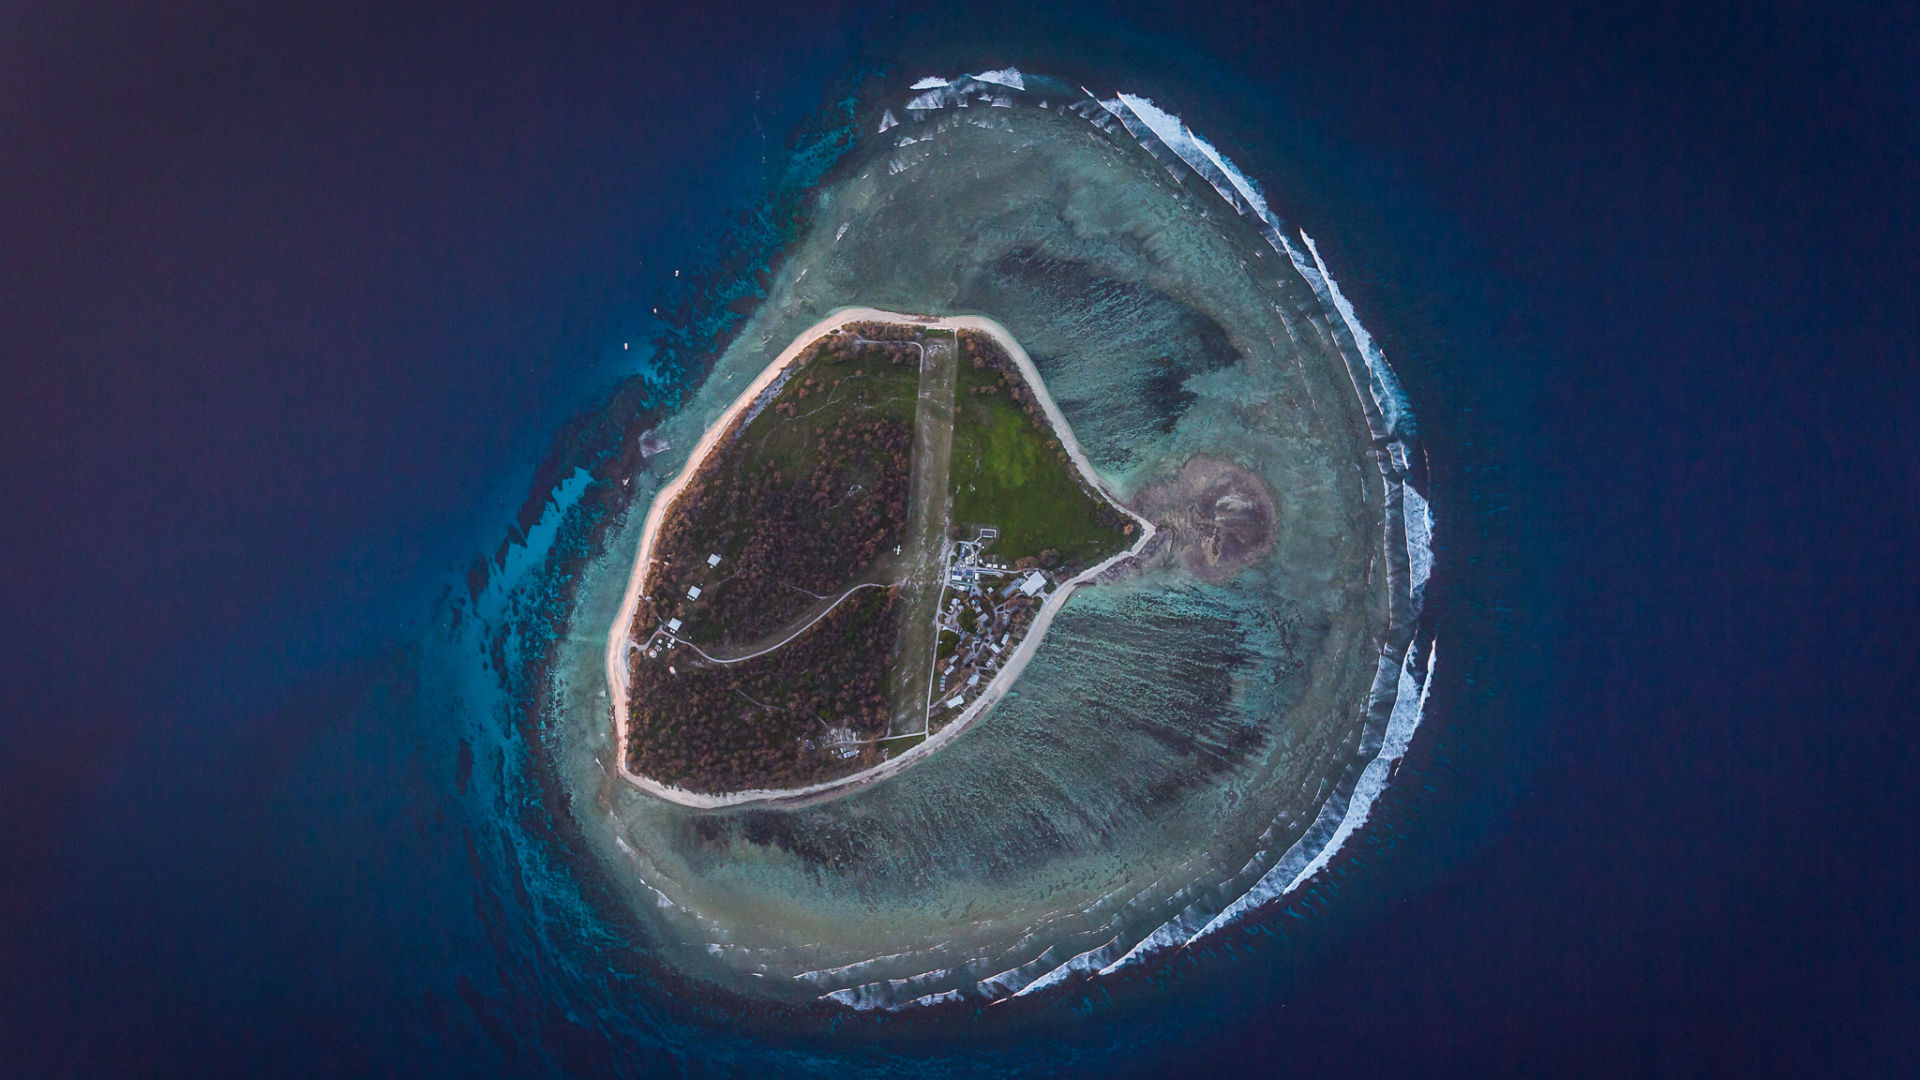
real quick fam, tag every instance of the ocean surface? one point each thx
(309, 315)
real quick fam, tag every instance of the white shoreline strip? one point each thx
(620, 635)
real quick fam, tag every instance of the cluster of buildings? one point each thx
(667, 635)
(839, 742)
(982, 606)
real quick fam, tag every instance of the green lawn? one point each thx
(1008, 472)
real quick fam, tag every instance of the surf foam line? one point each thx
(1396, 702)
(1397, 699)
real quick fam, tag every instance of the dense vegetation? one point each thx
(1010, 470)
(800, 501)
(712, 728)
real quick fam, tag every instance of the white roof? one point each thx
(1033, 583)
(713, 560)
(673, 626)
(954, 701)
(693, 592)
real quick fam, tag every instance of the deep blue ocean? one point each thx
(294, 304)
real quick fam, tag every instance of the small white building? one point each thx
(1035, 581)
(673, 626)
(955, 701)
(713, 560)
(693, 592)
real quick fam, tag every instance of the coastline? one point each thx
(620, 635)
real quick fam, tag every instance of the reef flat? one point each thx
(1191, 739)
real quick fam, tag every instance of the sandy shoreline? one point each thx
(619, 637)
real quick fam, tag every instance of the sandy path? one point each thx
(619, 637)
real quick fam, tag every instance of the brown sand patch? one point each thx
(1215, 517)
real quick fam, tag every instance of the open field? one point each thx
(1012, 473)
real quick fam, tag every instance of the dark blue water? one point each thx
(295, 304)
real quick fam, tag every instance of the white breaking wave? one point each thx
(1090, 961)
(1197, 152)
(1290, 872)
(1391, 399)
(854, 969)
(1419, 517)
(931, 82)
(1005, 77)
(1336, 822)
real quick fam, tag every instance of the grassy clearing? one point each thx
(1009, 471)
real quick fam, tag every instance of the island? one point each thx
(855, 563)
